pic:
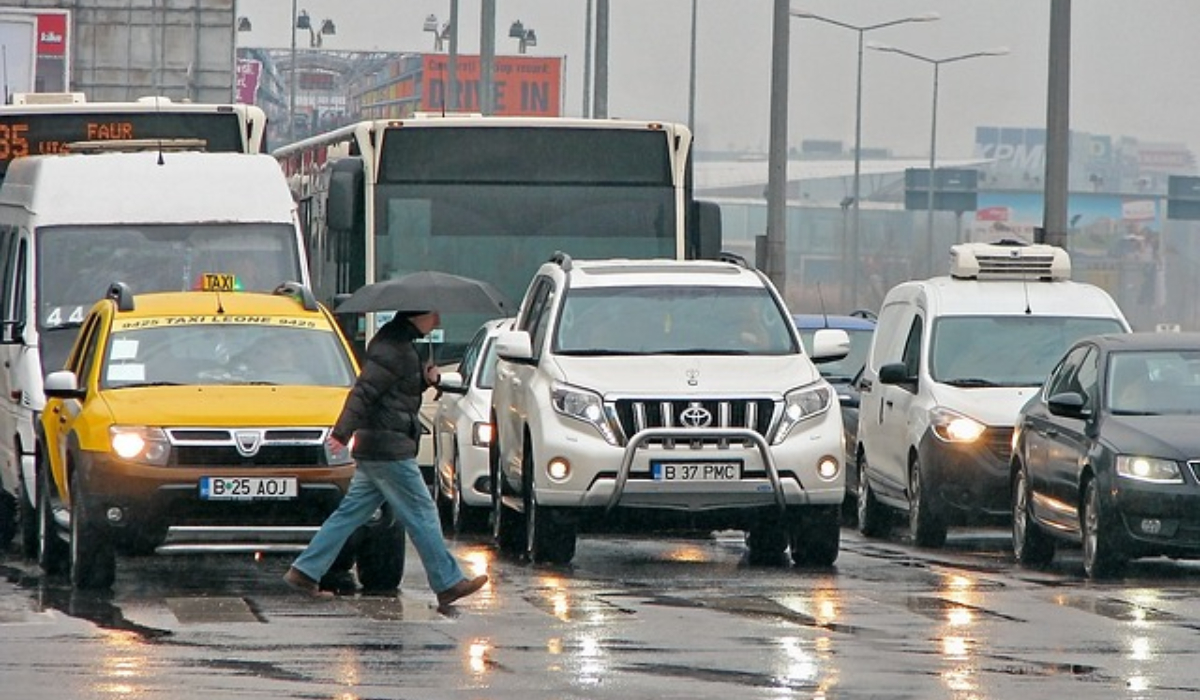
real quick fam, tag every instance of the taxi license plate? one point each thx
(696, 471)
(248, 488)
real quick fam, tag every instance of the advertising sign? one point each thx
(36, 50)
(248, 73)
(524, 86)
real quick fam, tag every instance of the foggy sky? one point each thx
(1133, 73)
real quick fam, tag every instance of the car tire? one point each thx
(465, 519)
(550, 535)
(9, 512)
(925, 525)
(816, 536)
(52, 550)
(1031, 546)
(1103, 553)
(27, 515)
(874, 519)
(508, 527)
(380, 555)
(93, 560)
(767, 540)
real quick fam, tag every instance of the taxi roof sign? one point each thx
(218, 282)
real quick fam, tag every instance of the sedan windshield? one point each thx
(1006, 350)
(673, 320)
(225, 354)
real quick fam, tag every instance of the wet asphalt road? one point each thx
(631, 618)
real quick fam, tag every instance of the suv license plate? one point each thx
(696, 471)
(247, 488)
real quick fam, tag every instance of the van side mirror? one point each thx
(896, 373)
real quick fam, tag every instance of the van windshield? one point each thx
(1006, 350)
(685, 320)
(76, 264)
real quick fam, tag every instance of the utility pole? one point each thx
(487, 57)
(601, 59)
(1058, 126)
(452, 101)
(587, 62)
(776, 256)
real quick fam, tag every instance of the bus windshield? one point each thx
(76, 264)
(500, 201)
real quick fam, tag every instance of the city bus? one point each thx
(490, 198)
(46, 123)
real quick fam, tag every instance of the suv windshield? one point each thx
(1006, 350)
(225, 354)
(649, 320)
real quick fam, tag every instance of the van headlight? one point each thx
(801, 405)
(952, 426)
(135, 443)
(582, 405)
(1151, 469)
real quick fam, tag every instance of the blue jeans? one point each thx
(401, 485)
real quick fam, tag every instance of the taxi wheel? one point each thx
(380, 555)
(51, 550)
(927, 528)
(93, 560)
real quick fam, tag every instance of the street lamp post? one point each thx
(937, 64)
(525, 37)
(301, 20)
(856, 195)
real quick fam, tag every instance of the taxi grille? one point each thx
(635, 415)
(265, 447)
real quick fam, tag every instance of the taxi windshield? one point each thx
(225, 354)
(76, 264)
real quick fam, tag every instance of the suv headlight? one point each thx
(951, 426)
(1151, 469)
(582, 405)
(136, 443)
(800, 405)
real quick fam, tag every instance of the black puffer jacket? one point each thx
(381, 410)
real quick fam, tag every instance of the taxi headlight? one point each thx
(341, 455)
(582, 405)
(140, 444)
(951, 426)
(1158, 471)
(801, 405)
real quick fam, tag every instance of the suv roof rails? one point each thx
(562, 260)
(726, 256)
(122, 294)
(300, 293)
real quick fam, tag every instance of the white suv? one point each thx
(664, 393)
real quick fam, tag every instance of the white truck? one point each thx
(157, 219)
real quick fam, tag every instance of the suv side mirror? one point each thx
(830, 344)
(62, 385)
(514, 346)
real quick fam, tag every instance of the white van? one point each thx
(952, 361)
(72, 224)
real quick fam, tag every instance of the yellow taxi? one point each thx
(187, 422)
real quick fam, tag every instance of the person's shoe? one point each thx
(462, 589)
(300, 582)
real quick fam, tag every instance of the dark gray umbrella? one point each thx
(428, 290)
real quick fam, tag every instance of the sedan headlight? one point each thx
(800, 405)
(140, 444)
(582, 405)
(481, 433)
(1157, 471)
(952, 426)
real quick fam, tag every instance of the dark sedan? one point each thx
(1108, 453)
(843, 375)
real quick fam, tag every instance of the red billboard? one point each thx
(524, 86)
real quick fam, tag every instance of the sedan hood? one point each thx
(686, 374)
(1170, 437)
(996, 406)
(259, 406)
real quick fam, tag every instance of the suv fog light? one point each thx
(114, 514)
(558, 469)
(828, 467)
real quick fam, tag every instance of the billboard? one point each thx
(524, 86)
(36, 57)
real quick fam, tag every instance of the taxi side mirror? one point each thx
(63, 384)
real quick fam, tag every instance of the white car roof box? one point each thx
(1009, 260)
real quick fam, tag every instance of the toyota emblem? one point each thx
(695, 416)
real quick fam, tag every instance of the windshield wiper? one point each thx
(139, 385)
(971, 382)
(705, 351)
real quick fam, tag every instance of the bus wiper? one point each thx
(971, 382)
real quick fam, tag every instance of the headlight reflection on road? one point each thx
(961, 674)
(122, 667)
(477, 656)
